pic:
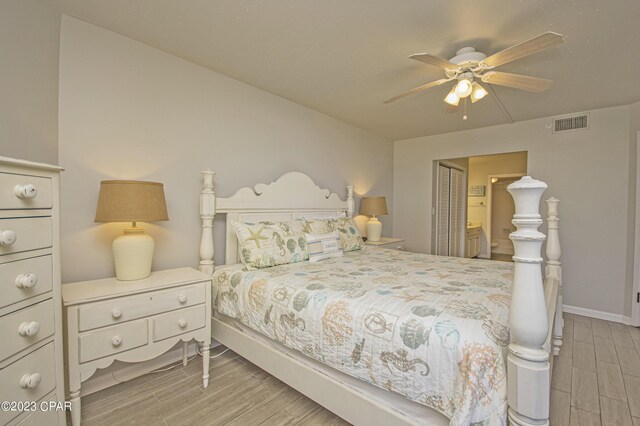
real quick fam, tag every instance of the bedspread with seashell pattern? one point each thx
(431, 328)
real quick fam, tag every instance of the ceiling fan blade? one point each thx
(436, 61)
(419, 89)
(517, 81)
(523, 49)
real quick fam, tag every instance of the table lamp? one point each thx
(373, 206)
(131, 201)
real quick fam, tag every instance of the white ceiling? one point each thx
(344, 58)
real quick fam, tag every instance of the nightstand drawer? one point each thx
(125, 309)
(26, 233)
(395, 246)
(179, 322)
(23, 328)
(24, 279)
(25, 192)
(112, 340)
(28, 379)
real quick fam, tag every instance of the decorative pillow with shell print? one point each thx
(270, 243)
(350, 237)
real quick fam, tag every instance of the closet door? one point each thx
(442, 214)
(456, 213)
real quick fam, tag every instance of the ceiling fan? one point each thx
(468, 67)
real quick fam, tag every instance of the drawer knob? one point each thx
(116, 313)
(30, 381)
(7, 238)
(26, 280)
(25, 192)
(182, 298)
(116, 341)
(182, 322)
(29, 328)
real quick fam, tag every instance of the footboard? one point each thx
(535, 316)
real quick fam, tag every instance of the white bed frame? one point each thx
(535, 313)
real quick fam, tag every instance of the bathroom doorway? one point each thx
(500, 211)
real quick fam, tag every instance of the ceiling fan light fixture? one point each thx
(477, 92)
(452, 98)
(463, 88)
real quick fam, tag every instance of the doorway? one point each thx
(500, 211)
(471, 235)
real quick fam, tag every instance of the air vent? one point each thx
(566, 124)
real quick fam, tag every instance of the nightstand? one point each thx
(389, 243)
(133, 321)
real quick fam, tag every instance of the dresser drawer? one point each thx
(29, 233)
(178, 322)
(25, 192)
(28, 379)
(129, 308)
(112, 340)
(24, 279)
(25, 327)
(41, 417)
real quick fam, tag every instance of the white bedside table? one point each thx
(133, 321)
(389, 243)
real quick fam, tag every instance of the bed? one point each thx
(389, 337)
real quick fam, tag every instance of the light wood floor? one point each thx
(239, 393)
(596, 381)
(596, 377)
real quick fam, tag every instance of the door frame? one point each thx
(489, 203)
(434, 201)
(635, 305)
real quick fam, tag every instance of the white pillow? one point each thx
(323, 246)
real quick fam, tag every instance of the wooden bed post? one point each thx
(528, 362)
(207, 212)
(554, 268)
(351, 205)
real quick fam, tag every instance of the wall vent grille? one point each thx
(566, 124)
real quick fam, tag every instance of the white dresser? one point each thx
(31, 353)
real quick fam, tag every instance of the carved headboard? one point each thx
(293, 195)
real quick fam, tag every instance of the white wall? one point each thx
(587, 170)
(29, 48)
(129, 111)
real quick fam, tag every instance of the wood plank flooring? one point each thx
(239, 393)
(596, 381)
(596, 376)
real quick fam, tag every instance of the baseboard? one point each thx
(608, 316)
(118, 372)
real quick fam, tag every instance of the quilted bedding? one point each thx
(431, 328)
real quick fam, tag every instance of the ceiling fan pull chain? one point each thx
(464, 109)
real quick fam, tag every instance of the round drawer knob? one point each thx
(30, 381)
(116, 341)
(7, 238)
(25, 192)
(182, 322)
(29, 328)
(26, 280)
(182, 298)
(116, 313)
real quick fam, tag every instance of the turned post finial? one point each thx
(350, 201)
(207, 213)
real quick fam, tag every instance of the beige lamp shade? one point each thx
(373, 206)
(131, 201)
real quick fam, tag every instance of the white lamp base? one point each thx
(374, 229)
(132, 254)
